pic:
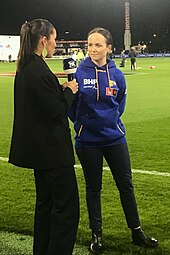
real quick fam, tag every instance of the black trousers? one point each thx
(118, 160)
(56, 211)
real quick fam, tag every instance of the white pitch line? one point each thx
(107, 168)
(138, 171)
(3, 159)
(150, 172)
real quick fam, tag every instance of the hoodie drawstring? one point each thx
(97, 85)
(97, 80)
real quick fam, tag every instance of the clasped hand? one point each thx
(73, 85)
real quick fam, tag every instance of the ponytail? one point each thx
(25, 50)
(30, 35)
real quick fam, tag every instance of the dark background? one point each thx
(78, 17)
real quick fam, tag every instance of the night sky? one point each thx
(78, 17)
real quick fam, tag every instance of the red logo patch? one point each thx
(111, 91)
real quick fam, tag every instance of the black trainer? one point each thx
(139, 238)
(96, 245)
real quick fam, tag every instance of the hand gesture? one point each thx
(73, 85)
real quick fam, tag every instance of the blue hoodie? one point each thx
(98, 105)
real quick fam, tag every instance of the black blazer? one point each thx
(41, 136)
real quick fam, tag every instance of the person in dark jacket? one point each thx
(100, 133)
(123, 58)
(41, 140)
(132, 56)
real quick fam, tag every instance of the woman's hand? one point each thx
(73, 85)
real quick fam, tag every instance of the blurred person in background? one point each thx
(123, 58)
(80, 56)
(41, 140)
(132, 56)
(74, 55)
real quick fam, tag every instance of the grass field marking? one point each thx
(139, 171)
(7, 74)
(150, 172)
(135, 73)
(3, 159)
(107, 168)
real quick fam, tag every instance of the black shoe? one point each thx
(139, 238)
(96, 245)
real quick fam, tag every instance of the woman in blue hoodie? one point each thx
(96, 113)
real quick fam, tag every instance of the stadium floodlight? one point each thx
(127, 34)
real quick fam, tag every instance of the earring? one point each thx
(44, 52)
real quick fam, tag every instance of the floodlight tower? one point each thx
(127, 34)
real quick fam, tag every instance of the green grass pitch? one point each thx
(147, 122)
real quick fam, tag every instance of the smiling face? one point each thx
(98, 48)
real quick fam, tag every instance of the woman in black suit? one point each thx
(41, 140)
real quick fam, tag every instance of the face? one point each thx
(98, 48)
(51, 43)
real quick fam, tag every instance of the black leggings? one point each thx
(117, 157)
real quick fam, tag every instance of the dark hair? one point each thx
(30, 35)
(104, 32)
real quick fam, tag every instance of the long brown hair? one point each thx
(30, 35)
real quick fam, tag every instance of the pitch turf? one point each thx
(147, 121)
